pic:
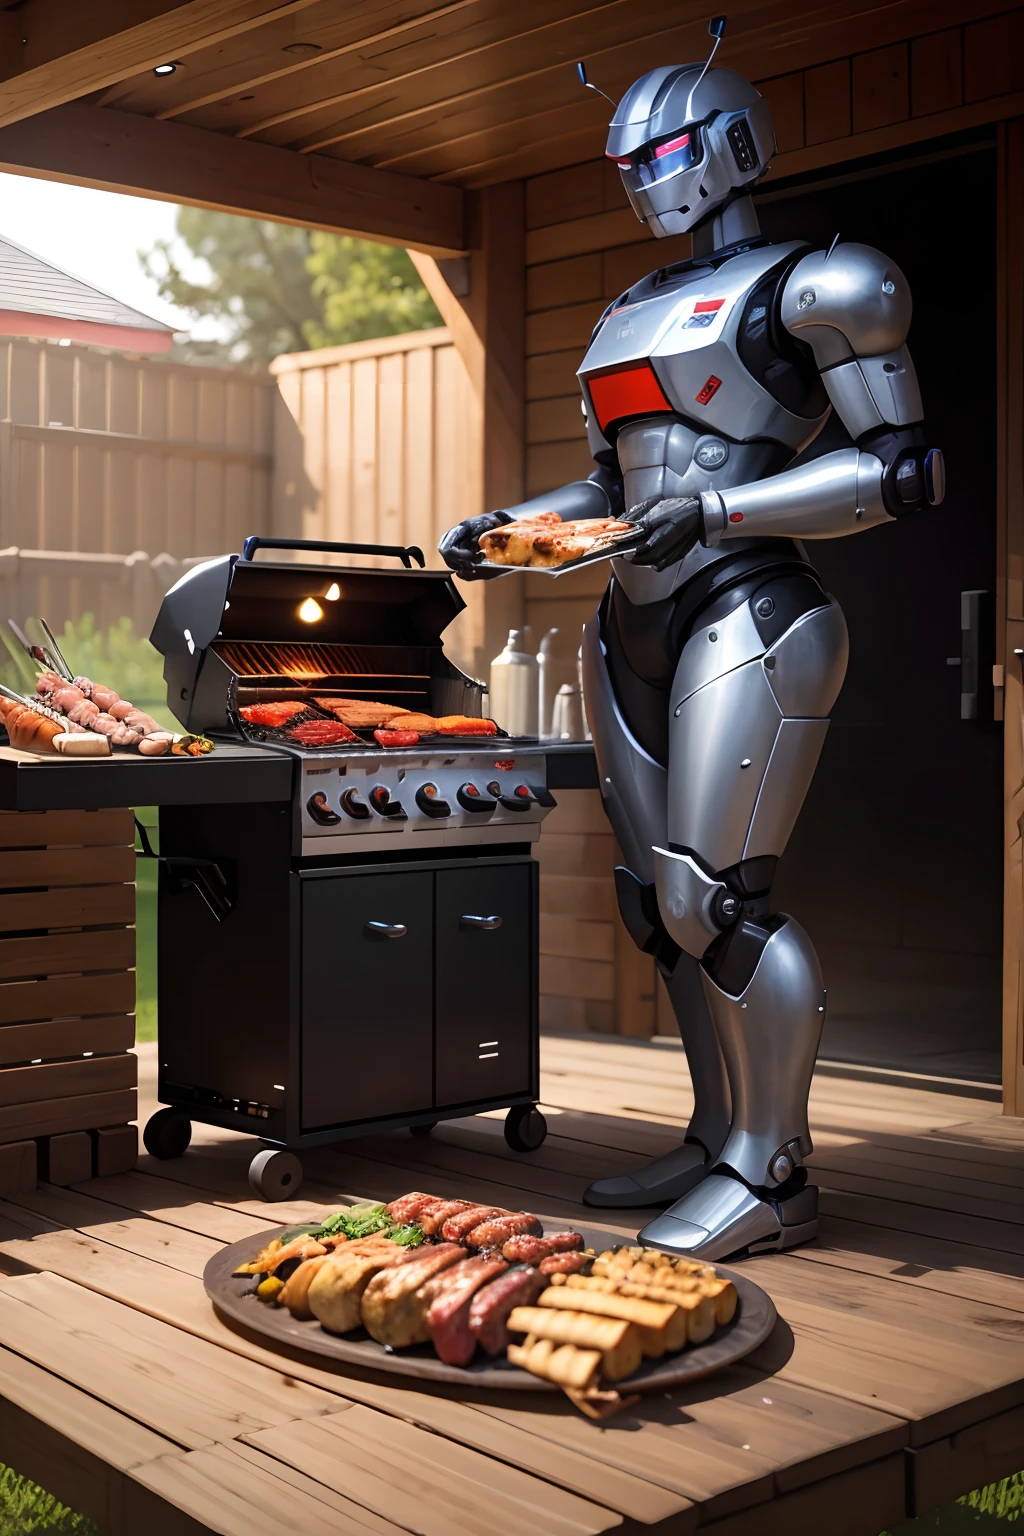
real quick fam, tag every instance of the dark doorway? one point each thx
(895, 867)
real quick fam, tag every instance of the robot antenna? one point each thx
(581, 70)
(716, 29)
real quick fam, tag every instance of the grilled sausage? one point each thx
(104, 697)
(489, 1310)
(563, 1263)
(497, 1230)
(448, 1315)
(407, 1207)
(456, 1228)
(526, 1249)
(433, 1217)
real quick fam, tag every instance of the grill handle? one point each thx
(487, 924)
(256, 541)
(375, 930)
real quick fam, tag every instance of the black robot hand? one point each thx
(460, 548)
(671, 527)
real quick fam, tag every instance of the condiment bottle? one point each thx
(547, 681)
(514, 688)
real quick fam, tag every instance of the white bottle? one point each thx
(547, 665)
(514, 688)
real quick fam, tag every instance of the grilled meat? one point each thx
(526, 1249)
(448, 1315)
(465, 725)
(320, 733)
(433, 1217)
(495, 1231)
(362, 714)
(564, 1263)
(274, 714)
(490, 1307)
(407, 720)
(456, 1227)
(407, 1207)
(393, 1309)
(397, 738)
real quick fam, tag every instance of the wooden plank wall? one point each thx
(378, 442)
(67, 996)
(110, 452)
(584, 246)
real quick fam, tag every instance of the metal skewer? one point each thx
(56, 651)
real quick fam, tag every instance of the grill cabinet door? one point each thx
(367, 999)
(485, 984)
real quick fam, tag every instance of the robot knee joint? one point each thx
(722, 919)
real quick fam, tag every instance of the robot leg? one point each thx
(748, 724)
(633, 787)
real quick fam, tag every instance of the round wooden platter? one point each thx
(234, 1298)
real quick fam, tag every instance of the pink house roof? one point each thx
(40, 299)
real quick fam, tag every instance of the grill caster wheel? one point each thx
(275, 1175)
(525, 1128)
(423, 1130)
(167, 1134)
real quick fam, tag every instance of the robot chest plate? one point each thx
(679, 352)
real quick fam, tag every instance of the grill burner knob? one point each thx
(519, 800)
(353, 806)
(380, 799)
(470, 798)
(428, 802)
(320, 811)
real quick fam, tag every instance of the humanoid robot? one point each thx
(716, 655)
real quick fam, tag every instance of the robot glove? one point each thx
(671, 528)
(460, 548)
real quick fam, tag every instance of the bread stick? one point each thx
(619, 1342)
(567, 1366)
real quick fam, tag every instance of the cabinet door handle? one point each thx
(488, 924)
(385, 931)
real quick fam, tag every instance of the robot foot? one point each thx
(668, 1178)
(722, 1218)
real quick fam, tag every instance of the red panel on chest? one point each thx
(631, 391)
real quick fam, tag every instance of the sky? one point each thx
(95, 236)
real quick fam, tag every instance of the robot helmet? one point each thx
(686, 139)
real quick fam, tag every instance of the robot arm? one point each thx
(852, 308)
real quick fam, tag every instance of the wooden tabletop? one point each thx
(894, 1381)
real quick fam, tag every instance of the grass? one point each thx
(26, 1508)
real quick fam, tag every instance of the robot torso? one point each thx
(692, 384)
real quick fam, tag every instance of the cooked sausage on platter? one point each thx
(497, 1230)
(448, 1314)
(527, 1249)
(490, 1308)
(457, 1228)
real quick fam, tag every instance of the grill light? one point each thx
(333, 592)
(310, 611)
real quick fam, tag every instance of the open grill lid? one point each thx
(234, 620)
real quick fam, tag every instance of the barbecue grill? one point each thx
(364, 957)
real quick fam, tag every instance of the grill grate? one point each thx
(312, 662)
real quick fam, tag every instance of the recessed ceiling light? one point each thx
(301, 48)
(165, 69)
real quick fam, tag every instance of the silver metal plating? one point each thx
(838, 494)
(769, 1037)
(860, 304)
(686, 900)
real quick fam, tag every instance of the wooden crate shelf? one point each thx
(67, 996)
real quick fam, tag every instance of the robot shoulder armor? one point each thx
(854, 302)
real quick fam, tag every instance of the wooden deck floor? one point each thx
(894, 1382)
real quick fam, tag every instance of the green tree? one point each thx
(274, 288)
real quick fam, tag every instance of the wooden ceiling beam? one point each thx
(65, 49)
(120, 152)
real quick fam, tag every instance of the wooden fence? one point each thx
(105, 453)
(379, 442)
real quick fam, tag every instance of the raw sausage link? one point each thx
(497, 1230)
(489, 1310)
(563, 1263)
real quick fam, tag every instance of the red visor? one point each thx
(632, 391)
